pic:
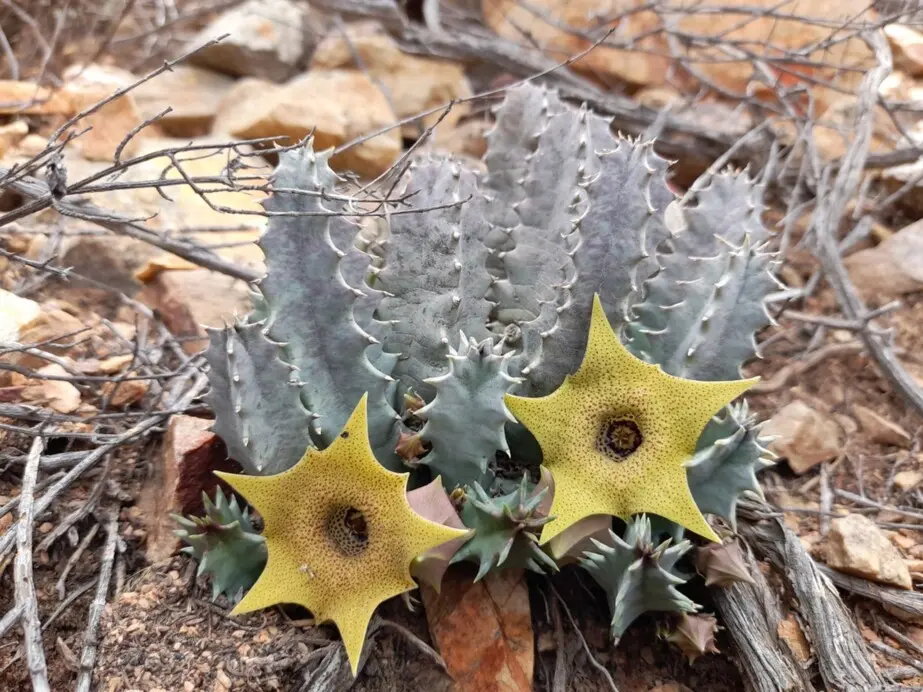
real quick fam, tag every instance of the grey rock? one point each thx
(266, 39)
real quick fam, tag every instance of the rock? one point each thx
(806, 437)
(12, 134)
(413, 84)
(906, 481)
(907, 48)
(483, 631)
(880, 429)
(27, 98)
(111, 123)
(857, 546)
(179, 475)
(15, 313)
(114, 364)
(467, 139)
(890, 269)
(119, 394)
(648, 62)
(49, 326)
(58, 395)
(192, 92)
(540, 21)
(338, 105)
(900, 540)
(187, 300)
(110, 259)
(31, 145)
(266, 39)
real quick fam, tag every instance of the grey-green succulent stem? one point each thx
(638, 576)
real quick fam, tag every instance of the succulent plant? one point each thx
(483, 286)
(562, 305)
(630, 429)
(638, 576)
(340, 534)
(228, 548)
(506, 529)
(463, 446)
(729, 453)
(700, 312)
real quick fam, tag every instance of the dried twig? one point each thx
(751, 613)
(9, 619)
(421, 645)
(72, 560)
(91, 636)
(586, 648)
(842, 659)
(23, 578)
(797, 368)
(181, 400)
(832, 202)
(910, 602)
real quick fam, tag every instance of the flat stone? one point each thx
(111, 123)
(907, 46)
(190, 300)
(880, 429)
(179, 474)
(892, 268)
(857, 546)
(414, 84)
(266, 39)
(27, 98)
(193, 93)
(907, 480)
(806, 437)
(336, 105)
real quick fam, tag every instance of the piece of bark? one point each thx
(751, 613)
(842, 659)
(909, 602)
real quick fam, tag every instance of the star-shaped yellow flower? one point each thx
(340, 533)
(617, 433)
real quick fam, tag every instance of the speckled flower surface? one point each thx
(617, 433)
(340, 534)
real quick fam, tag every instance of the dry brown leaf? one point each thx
(483, 631)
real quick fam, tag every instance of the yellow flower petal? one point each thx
(617, 433)
(315, 559)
